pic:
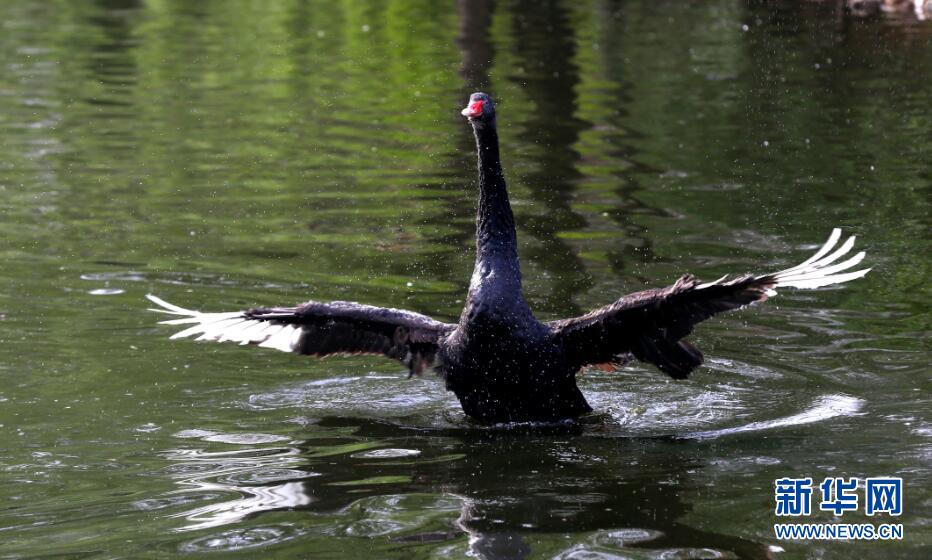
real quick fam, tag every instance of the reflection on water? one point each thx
(489, 494)
(342, 472)
(233, 154)
(206, 475)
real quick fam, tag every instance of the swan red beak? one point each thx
(474, 110)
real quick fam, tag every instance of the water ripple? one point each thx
(246, 473)
(828, 406)
(242, 538)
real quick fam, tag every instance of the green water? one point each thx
(229, 154)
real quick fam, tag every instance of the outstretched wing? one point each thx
(319, 329)
(651, 324)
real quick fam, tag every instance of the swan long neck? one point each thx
(497, 275)
(495, 224)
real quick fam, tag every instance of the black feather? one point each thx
(651, 324)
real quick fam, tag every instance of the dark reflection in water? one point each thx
(503, 492)
(520, 484)
(475, 17)
(544, 47)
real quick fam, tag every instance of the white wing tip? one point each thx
(231, 326)
(169, 308)
(820, 270)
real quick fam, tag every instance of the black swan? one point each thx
(501, 362)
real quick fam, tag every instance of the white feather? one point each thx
(270, 330)
(214, 329)
(203, 322)
(826, 280)
(840, 252)
(198, 328)
(280, 340)
(232, 326)
(168, 307)
(816, 265)
(219, 330)
(295, 342)
(832, 240)
(827, 270)
(250, 333)
(235, 333)
(817, 270)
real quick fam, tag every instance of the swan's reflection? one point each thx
(487, 494)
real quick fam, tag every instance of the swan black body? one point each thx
(501, 362)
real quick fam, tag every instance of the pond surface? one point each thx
(229, 154)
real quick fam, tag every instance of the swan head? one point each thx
(480, 110)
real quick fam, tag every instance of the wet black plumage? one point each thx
(501, 362)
